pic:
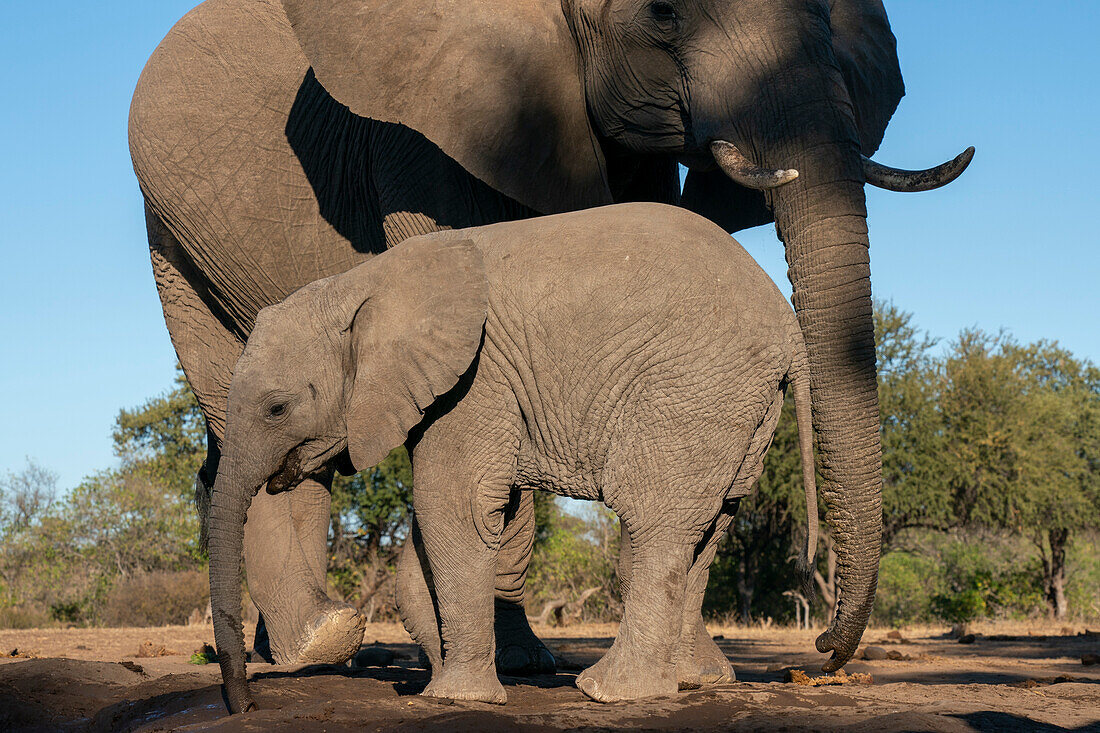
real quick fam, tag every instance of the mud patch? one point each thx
(1029, 683)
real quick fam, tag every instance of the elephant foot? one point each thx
(467, 685)
(332, 636)
(615, 678)
(709, 666)
(519, 652)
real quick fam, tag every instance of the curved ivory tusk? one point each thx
(744, 171)
(895, 179)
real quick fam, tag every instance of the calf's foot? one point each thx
(464, 684)
(623, 676)
(707, 666)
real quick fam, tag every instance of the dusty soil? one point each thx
(1010, 678)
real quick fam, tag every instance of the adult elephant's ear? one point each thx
(496, 85)
(866, 52)
(414, 321)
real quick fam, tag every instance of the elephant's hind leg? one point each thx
(699, 661)
(518, 650)
(641, 662)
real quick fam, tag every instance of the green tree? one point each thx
(573, 563)
(914, 494)
(371, 512)
(1022, 445)
(164, 439)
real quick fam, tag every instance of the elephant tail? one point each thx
(798, 377)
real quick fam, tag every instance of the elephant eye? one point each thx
(278, 409)
(662, 11)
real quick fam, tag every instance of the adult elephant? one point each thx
(277, 144)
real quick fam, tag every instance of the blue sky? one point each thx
(1012, 244)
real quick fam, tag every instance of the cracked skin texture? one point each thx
(632, 354)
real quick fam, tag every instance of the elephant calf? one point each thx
(632, 354)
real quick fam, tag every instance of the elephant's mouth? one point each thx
(305, 460)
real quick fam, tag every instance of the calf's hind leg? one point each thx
(641, 662)
(699, 661)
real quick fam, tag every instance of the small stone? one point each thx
(896, 635)
(874, 653)
(373, 656)
(967, 639)
(897, 656)
(1090, 659)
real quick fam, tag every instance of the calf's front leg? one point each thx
(460, 496)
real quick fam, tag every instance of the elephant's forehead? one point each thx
(277, 339)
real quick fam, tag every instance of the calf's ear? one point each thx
(415, 316)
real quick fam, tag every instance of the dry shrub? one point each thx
(26, 616)
(159, 598)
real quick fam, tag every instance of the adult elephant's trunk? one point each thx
(233, 492)
(825, 230)
(822, 218)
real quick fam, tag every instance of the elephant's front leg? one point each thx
(461, 548)
(415, 600)
(519, 651)
(285, 553)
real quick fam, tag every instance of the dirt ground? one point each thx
(1012, 677)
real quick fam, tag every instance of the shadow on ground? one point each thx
(992, 685)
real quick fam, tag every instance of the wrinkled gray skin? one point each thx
(632, 354)
(258, 179)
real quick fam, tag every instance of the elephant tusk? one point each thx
(895, 179)
(742, 170)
